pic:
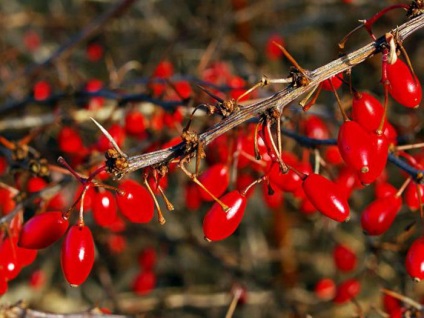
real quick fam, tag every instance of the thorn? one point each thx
(110, 138)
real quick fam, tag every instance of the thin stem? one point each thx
(412, 146)
(161, 218)
(403, 187)
(339, 102)
(404, 299)
(233, 304)
(168, 203)
(196, 181)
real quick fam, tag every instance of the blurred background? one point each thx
(64, 61)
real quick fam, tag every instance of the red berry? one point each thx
(347, 180)
(37, 279)
(9, 259)
(94, 52)
(69, 140)
(36, 184)
(118, 134)
(116, 243)
(384, 189)
(289, 181)
(367, 111)
(144, 282)
(347, 290)
(41, 90)
(412, 199)
(326, 196)
(379, 215)
(7, 203)
(105, 210)
(184, 89)
(31, 40)
(237, 85)
(192, 196)
(335, 80)
(134, 123)
(273, 52)
(135, 204)
(43, 230)
(77, 254)
(414, 261)
(274, 200)
(332, 155)
(216, 179)
(404, 87)
(378, 158)
(354, 145)
(219, 224)
(3, 165)
(325, 289)
(316, 128)
(391, 304)
(147, 259)
(164, 69)
(344, 258)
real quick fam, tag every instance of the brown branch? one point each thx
(280, 100)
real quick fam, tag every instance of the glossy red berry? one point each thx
(384, 189)
(135, 203)
(377, 158)
(315, 127)
(184, 89)
(77, 254)
(272, 200)
(348, 181)
(326, 196)
(273, 52)
(414, 261)
(414, 193)
(344, 258)
(36, 184)
(354, 145)
(367, 111)
(7, 202)
(216, 179)
(219, 224)
(147, 259)
(135, 123)
(404, 87)
(144, 282)
(105, 209)
(379, 215)
(9, 259)
(42, 90)
(43, 230)
(193, 200)
(69, 140)
(347, 290)
(237, 85)
(325, 289)
(336, 80)
(94, 52)
(290, 181)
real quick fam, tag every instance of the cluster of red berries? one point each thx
(145, 281)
